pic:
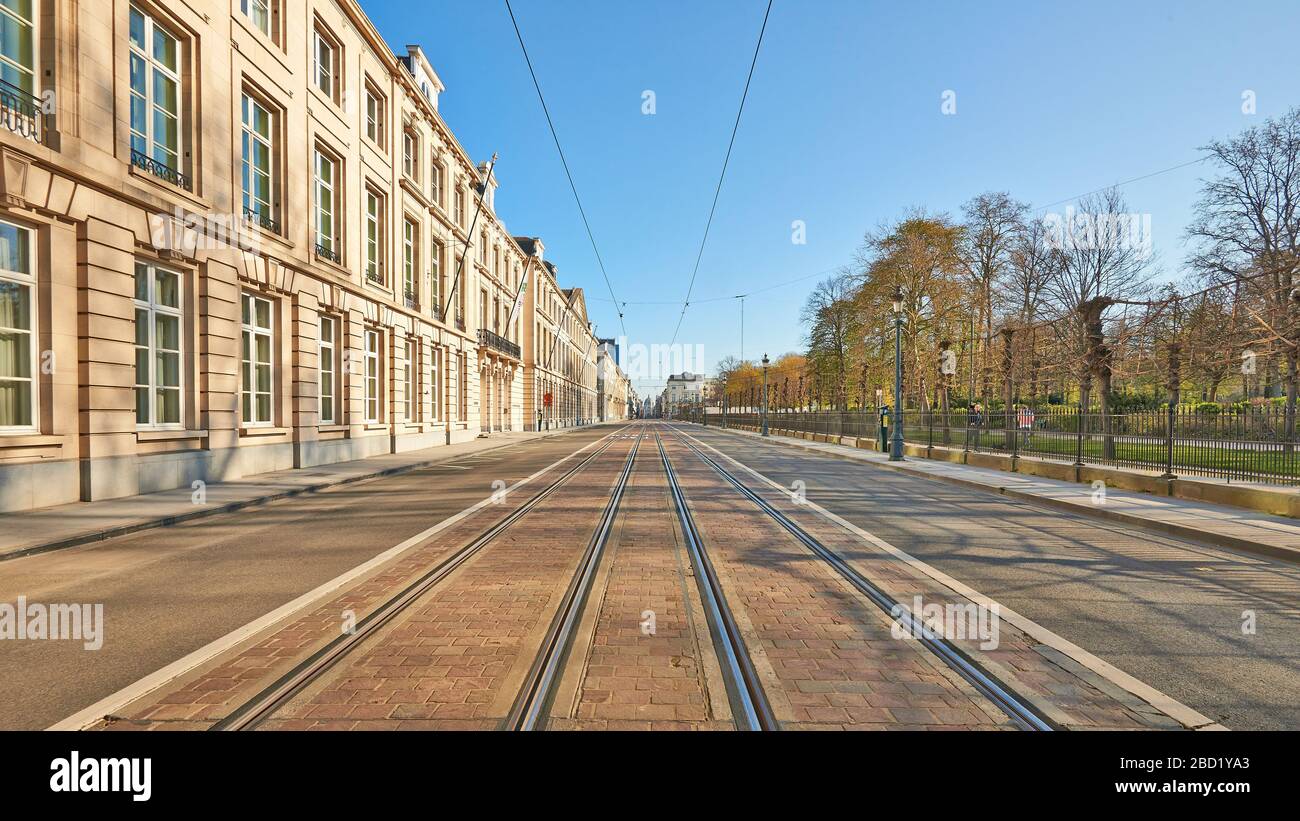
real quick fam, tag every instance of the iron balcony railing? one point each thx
(24, 114)
(328, 252)
(460, 321)
(160, 170)
(411, 301)
(498, 343)
(263, 220)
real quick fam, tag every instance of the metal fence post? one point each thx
(1169, 444)
(1078, 435)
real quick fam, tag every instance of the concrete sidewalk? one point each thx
(1219, 525)
(50, 528)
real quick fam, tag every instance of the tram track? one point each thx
(1023, 714)
(266, 703)
(751, 708)
(533, 702)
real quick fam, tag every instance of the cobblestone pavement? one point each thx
(649, 663)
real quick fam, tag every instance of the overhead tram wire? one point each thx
(805, 277)
(1123, 183)
(764, 289)
(725, 162)
(572, 186)
(469, 237)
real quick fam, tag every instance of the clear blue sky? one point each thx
(843, 127)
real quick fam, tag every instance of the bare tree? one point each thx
(832, 327)
(1099, 259)
(993, 223)
(1247, 227)
(1031, 270)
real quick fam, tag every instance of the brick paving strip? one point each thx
(455, 659)
(1070, 693)
(825, 654)
(475, 613)
(638, 675)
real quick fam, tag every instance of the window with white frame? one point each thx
(327, 368)
(258, 178)
(374, 236)
(18, 44)
(327, 206)
(462, 387)
(410, 154)
(371, 354)
(17, 328)
(435, 384)
(258, 339)
(259, 14)
(435, 180)
(159, 329)
(410, 259)
(374, 116)
(410, 379)
(435, 274)
(325, 64)
(155, 55)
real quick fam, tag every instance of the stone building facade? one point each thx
(559, 348)
(230, 238)
(615, 399)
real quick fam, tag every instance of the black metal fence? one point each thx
(1248, 444)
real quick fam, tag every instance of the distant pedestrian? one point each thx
(1025, 421)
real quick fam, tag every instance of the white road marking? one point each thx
(1166, 704)
(109, 704)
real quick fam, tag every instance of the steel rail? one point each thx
(533, 702)
(1022, 713)
(749, 704)
(265, 703)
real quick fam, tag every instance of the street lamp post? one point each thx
(765, 363)
(896, 447)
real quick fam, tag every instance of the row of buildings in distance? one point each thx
(231, 242)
